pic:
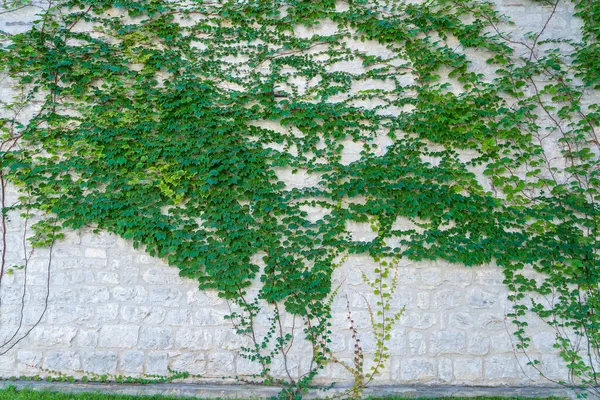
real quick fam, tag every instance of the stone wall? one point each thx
(112, 309)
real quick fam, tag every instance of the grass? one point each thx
(11, 393)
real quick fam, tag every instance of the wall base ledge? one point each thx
(234, 391)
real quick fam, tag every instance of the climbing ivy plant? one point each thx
(209, 132)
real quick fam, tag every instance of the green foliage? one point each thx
(170, 123)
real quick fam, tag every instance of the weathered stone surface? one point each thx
(421, 320)
(155, 338)
(417, 343)
(193, 339)
(178, 317)
(124, 336)
(107, 313)
(157, 364)
(417, 369)
(62, 314)
(194, 363)
(110, 278)
(448, 342)
(544, 342)
(62, 361)
(461, 320)
(445, 372)
(479, 344)
(447, 299)
(99, 362)
(478, 298)
(87, 338)
(132, 361)
(7, 366)
(95, 253)
(229, 340)
(30, 359)
(164, 296)
(94, 294)
(500, 367)
(53, 336)
(248, 367)
(148, 315)
(221, 363)
(136, 294)
(468, 369)
(209, 317)
(431, 277)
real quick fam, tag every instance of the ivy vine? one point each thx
(173, 124)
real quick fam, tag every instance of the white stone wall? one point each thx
(115, 310)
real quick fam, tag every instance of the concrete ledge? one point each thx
(253, 392)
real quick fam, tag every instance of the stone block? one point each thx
(280, 367)
(155, 338)
(148, 315)
(461, 320)
(220, 364)
(164, 297)
(93, 294)
(227, 339)
(491, 321)
(91, 252)
(193, 339)
(136, 294)
(423, 300)
(107, 313)
(416, 369)
(544, 342)
(123, 336)
(194, 363)
(500, 367)
(87, 338)
(7, 366)
(98, 240)
(420, 320)
(448, 342)
(478, 298)
(99, 362)
(501, 343)
(129, 276)
(162, 276)
(210, 317)
(157, 364)
(445, 372)
(61, 294)
(63, 314)
(553, 367)
(431, 277)
(447, 299)
(479, 344)
(458, 275)
(417, 343)
(111, 278)
(62, 361)
(178, 317)
(132, 362)
(468, 369)
(204, 298)
(53, 336)
(30, 359)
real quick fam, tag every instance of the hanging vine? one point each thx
(173, 124)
